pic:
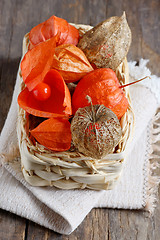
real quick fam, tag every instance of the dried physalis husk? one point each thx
(71, 62)
(107, 44)
(96, 131)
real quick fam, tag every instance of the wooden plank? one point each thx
(149, 19)
(126, 224)
(7, 67)
(12, 226)
(131, 10)
(95, 226)
(37, 232)
(97, 11)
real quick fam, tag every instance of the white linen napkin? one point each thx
(63, 210)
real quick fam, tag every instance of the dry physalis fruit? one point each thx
(96, 131)
(107, 44)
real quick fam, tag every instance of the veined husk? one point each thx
(107, 44)
(96, 130)
(69, 170)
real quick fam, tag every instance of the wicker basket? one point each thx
(69, 170)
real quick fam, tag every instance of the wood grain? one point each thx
(12, 226)
(16, 18)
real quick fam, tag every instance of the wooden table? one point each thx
(18, 17)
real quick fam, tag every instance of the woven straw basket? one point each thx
(69, 170)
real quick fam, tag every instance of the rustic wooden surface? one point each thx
(16, 18)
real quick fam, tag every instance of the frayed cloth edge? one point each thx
(152, 179)
(12, 155)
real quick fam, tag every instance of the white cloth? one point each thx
(63, 210)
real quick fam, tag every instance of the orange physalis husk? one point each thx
(52, 27)
(71, 62)
(57, 105)
(35, 35)
(53, 133)
(37, 62)
(103, 87)
(73, 36)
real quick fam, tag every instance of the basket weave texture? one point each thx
(69, 170)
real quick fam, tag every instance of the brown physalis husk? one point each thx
(107, 44)
(96, 131)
